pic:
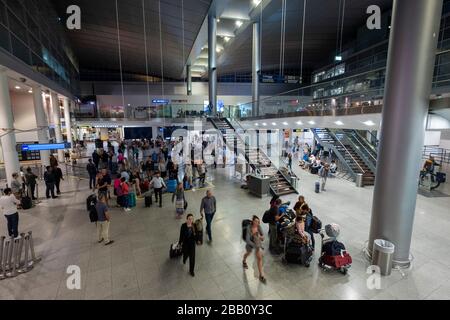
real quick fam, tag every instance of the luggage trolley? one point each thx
(293, 250)
(340, 262)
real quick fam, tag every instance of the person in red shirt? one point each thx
(125, 191)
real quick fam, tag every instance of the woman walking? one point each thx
(180, 200)
(255, 237)
(188, 241)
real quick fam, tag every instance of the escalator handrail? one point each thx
(365, 144)
(346, 150)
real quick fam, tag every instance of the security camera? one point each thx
(23, 80)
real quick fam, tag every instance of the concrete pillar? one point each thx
(8, 136)
(41, 123)
(155, 132)
(212, 69)
(189, 80)
(256, 68)
(411, 57)
(56, 111)
(66, 104)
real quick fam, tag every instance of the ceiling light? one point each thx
(339, 123)
(256, 2)
(17, 87)
(274, 123)
(338, 58)
(264, 124)
(238, 23)
(226, 39)
(285, 123)
(299, 122)
(30, 91)
(311, 122)
(369, 123)
(218, 20)
(218, 50)
(256, 124)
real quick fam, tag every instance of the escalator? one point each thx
(365, 148)
(349, 158)
(257, 159)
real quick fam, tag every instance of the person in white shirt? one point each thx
(158, 183)
(8, 204)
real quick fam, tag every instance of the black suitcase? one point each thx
(148, 201)
(91, 201)
(298, 253)
(26, 203)
(317, 187)
(175, 251)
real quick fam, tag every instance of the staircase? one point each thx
(258, 160)
(365, 148)
(348, 156)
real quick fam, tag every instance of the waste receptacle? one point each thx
(382, 255)
(359, 180)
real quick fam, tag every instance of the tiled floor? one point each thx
(137, 266)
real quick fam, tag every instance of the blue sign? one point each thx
(46, 146)
(160, 101)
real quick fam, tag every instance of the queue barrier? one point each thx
(17, 255)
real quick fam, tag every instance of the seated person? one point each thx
(311, 160)
(315, 167)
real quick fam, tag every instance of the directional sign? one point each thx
(46, 146)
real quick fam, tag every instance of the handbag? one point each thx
(185, 204)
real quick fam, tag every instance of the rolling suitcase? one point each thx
(148, 201)
(132, 200)
(175, 251)
(317, 186)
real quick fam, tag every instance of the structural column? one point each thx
(8, 136)
(41, 123)
(411, 57)
(189, 80)
(256, 68)
(66, 105)
(212, 70)
(56, 111)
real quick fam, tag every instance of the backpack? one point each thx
(316, 224)
(93, 216)
(154, 157)
(119, 190)
(245, 224)
(266, 217)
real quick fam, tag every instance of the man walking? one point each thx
(30, 179)
(158, 183)
(208, 209)
(92, 171)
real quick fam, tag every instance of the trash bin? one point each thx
(359, 180)
(382, 255)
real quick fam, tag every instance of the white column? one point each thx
(66, 104)
(56, 110)
(155, 132)
(8, 137)
(41, 123)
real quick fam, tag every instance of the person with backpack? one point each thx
(103, 220)
(188, 242)
(254, 238)
(271, 217)
(31, 183)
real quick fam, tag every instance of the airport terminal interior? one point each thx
(224, 149)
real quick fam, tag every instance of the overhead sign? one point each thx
(160, 101)
(46, 146)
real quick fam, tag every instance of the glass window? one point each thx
(2, 14)
(17, 27)
(34, 44)
(4, 38)
(17, 8)
(33, 27)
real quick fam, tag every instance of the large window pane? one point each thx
(17, 8)
(17, 27)
(4, 38)
(20, 50)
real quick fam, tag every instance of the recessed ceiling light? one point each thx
(256, 124)
(285, 123)
(369, 123)
(338, 58)
(226, 39)
(256, 2)
(339, 123)
(274, 123)
(264, 124)
(311, 122)
(17, 87)
(238, 23)
(299, 122)
(30, 91)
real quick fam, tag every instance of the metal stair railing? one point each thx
(337, 153)
(346, 150)
(368, 158)
(366, 144)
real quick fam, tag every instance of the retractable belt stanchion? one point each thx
(19, 251)
(31, 244)
(13, 261)
(10, 242)
(26, 264)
